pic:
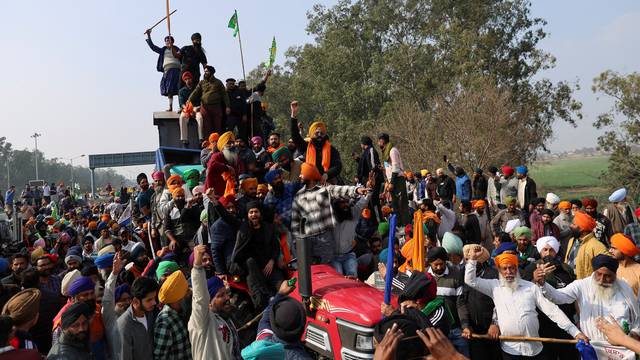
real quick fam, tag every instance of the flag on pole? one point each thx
(233, 23)
(125, 218)
(54, 211)
(272, 54)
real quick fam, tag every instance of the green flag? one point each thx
(233, 23)
(272, 54)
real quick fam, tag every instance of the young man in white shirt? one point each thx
(515, 302)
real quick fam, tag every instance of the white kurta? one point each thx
(516, 311)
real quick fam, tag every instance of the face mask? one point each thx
(179, 203)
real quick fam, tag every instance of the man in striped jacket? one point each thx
(450, 282)
(312, 214)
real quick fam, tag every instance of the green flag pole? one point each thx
(244, 76)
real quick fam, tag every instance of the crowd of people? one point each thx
(473, 254)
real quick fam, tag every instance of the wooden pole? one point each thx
(526, 338)
(161, 20)
(168, 18)
(514, 338)
(244, 76)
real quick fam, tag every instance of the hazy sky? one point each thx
(80, 73)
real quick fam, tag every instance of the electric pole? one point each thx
(35, 137)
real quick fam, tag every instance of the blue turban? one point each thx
(104, 261)
(522, 170)
(102, 225)
(213, 285)
(506, 246)
(122, 289)
(382, 257)
(271, 175)
(452, 243)
(604, 260)
(83, 283)
(618, 195)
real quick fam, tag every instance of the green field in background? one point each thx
(571, 177)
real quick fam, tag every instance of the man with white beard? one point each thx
(515, 302)
(223, 166)
(600, 294)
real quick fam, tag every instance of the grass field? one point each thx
(571, 178)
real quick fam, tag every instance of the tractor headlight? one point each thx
(364, 342)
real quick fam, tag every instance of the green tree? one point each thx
(371, 55)
(622, 122)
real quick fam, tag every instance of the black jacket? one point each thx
(262, 245)
(446, 187)
(369, 160)
(335, 166)
(530, 193)
(472, 234)
(479, 185)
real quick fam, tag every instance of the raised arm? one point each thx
(295, 130)
(485, 286)
(566, 295)
(200, 304)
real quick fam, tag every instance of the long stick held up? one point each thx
(161, 20)
(168, 18)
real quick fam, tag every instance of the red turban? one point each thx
(310, 172)
(506, 259)
(585, 222)
(590, 202)
(186, 75)
(624, 244)
(508, 171)
(226, 200)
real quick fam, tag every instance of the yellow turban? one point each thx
(424, 172)
(315, 126)
(173, 289)
(224, 140)
(179, 191)
(506, 259)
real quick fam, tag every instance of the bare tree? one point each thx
(476, 127)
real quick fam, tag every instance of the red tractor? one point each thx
(341, 313)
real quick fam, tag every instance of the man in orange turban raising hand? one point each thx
(515, 302)
(317, 149)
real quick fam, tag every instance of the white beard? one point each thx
(230, 155)
(513, 285)
(603, 293)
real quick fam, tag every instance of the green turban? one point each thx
(522, 230)
(452, 243)
(166, 267)
(191, 177)
(279, 153)
(509, 200)
(383, 228)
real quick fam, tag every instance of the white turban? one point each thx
(618, 195)
(545, 241)
(552, 198)
(511, 225)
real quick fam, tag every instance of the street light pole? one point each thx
(35, 137)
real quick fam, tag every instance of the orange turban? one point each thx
(408, 174)
(315, 126)
(480, 204)
(386, 210)
(248, 182)
(213, 138)
(105, 217)
(92, 225)
(585, 222)
(506, 259)
(564, 205)
(310, 172)
(366, 213)
(174, 181)
(179, 191)
(224, 139)
(624, 244)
